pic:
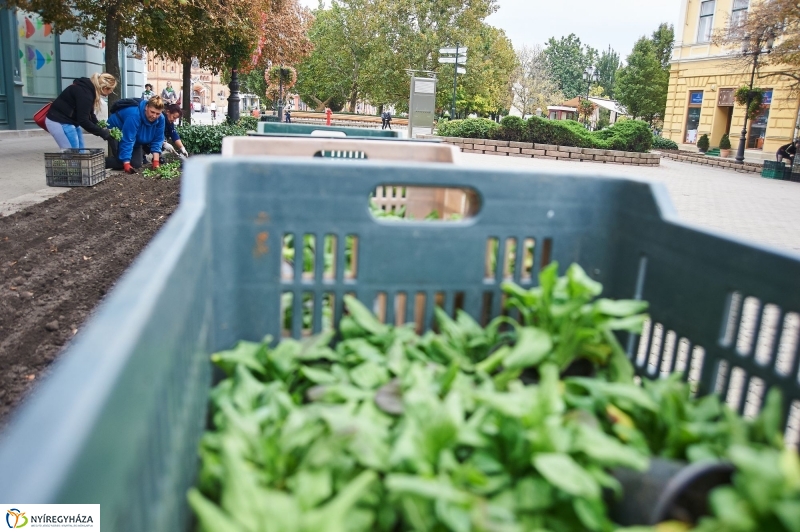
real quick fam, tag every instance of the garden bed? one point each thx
(59, 259)
(549, 151)
(722, 162)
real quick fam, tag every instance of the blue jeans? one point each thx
(66, 135)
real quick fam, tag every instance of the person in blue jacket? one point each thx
(171, 114)
(141, 125)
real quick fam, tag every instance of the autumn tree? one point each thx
(343, 37)
(488, 82)
(533, 86)
(776, 22)
(118, 20)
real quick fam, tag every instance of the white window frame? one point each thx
(739, 15)
(704, 38)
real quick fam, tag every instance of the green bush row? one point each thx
(203, 139)
(629, 135)
(660, 143)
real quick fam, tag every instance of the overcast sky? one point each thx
(618, 23)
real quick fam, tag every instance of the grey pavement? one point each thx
(744, 205)
(22, 179)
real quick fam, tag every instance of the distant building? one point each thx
(702, 83)
(569, 110)
(36, 64)
(206, 85)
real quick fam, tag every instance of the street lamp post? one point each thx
(589, 75)
(755, 53)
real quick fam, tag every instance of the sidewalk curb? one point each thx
(14, 134)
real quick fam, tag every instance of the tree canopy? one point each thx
(568, 58)
(607, 67)
(533, 84)
(641, 85)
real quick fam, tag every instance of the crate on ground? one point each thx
(773, 170)
(282, 128)
(119, 419)
(73, 167)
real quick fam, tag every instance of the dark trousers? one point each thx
(113, 162)
(384, 122)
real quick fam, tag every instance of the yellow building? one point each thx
(703, 79)
(206, 84)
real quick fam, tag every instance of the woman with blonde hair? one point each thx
(77, 107)
(142, 125)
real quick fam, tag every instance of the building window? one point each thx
(163, 66)
(172, 67)
(739, 13)
(706, 21)
(758, 127)
(150, 67)
(693, 116)
(37, 54)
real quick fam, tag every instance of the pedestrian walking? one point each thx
(76, 108)
(383, 120)
(213, 110)
(328, 116)
(389, 119)
(788, 151)
(141, 125)
(148, 92)
(168, 94)
(288, 116)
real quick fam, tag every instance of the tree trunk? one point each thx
(186, 99)
(353, 98)
(112, 52)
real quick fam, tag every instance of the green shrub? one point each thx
(512, 128)
(630, 135)
(470, 128)
(725, 142)
(660, 143)
(250, 123)
(703, 143)
(201, 139)
(559, 132)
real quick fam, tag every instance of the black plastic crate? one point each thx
(74, 167)
(773, 170)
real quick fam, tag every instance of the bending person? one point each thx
(76, 108)
(172, 113)
(141, 125)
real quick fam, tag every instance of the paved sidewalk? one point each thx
(744, 205)
(22, 178)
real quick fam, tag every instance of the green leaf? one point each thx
(209, 515)
(533, 345)
(608, 451)
(318, 376)
(364, 317)
(620, 308)
(580, 284)
(591, 513)
(245, 353)
(789, 514)
(434, 489)
(564, 473)
(369, 375)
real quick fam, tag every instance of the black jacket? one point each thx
(75, 105)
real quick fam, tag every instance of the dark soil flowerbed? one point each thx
(58, 259)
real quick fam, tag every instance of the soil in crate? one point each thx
(57, 261)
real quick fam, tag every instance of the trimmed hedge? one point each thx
(203, 139)
(469, 128)
(660, 143)
(627, 135)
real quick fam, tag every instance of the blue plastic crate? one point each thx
(119, 419)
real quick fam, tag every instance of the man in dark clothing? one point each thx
(389, 119)
(788, 151)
